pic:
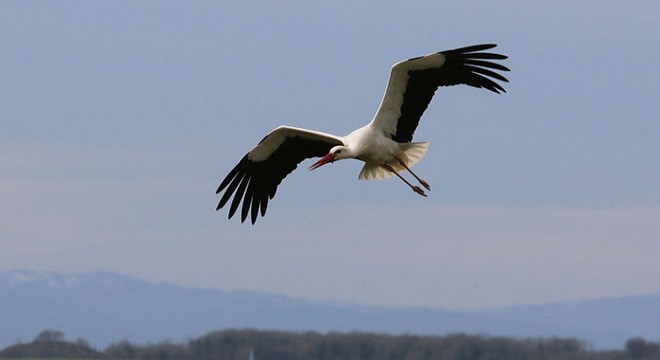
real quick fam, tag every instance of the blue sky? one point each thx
(119, 119)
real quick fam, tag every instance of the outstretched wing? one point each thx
(255, 178)
(413, 82)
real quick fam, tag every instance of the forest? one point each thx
(280, 345)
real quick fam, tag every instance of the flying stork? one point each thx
(384, 145)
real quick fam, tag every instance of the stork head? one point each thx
(338, 152)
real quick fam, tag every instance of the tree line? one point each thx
(281, 345)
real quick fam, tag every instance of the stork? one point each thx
(384, 144)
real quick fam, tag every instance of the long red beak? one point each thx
(322, 161)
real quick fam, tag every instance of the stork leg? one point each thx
(416, 189)
(424, 183)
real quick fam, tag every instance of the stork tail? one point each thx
(411, 154)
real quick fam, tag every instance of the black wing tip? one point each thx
(231, 215)
(236, 185)
(471, 48)
(232, 174)
(498, 90)
(476, 51)
(249, 207)
(245, 194)
(495, 87)
(475, 60)
(480, 47)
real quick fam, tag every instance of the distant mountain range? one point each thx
(104, 307)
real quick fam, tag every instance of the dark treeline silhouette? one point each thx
(280, 345)
(51, 344)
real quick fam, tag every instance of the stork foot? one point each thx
(419, 190)
(425, 184)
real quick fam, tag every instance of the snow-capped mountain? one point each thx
(105, 307)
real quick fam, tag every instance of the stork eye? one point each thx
(338, 152)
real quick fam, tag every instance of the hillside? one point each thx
(105, 307)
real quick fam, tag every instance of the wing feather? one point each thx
(238, 195)
(237, 177)
(413, 83)
(484, 71)
(486, 64)
(254, 180)
(231, 176)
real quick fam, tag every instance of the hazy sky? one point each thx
(119, 119)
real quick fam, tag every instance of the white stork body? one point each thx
(384, 145)
(373, 146)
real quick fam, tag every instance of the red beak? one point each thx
(322, 161)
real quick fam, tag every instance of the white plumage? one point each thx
(384, 144)
(411, 154)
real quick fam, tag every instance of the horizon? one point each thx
(70, 303)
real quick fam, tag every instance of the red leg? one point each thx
(424, 183)
(416, 189)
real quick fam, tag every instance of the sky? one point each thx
(119, 119)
